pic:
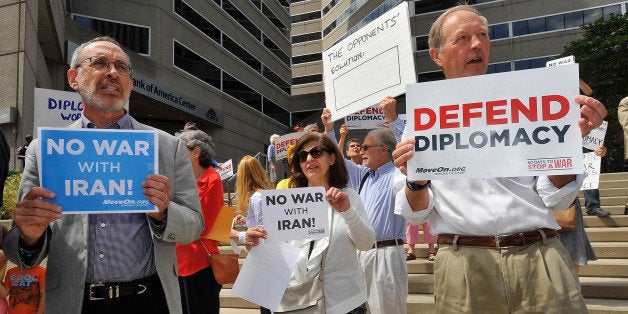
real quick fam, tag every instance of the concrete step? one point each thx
(604, 288)
(609, 200)
(615, 220)
(613, 268)
(614, 176)
(610, 250)
(607, 234)
(606, 306)
(417, 303)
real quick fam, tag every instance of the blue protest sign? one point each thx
(97, 171)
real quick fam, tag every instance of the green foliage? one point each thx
(11, 185)
(602, 56)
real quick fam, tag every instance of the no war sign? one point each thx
(97, 171)
(295, 214)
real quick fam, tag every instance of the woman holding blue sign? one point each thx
(331, 260)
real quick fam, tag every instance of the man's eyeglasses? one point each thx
(366, 147)
(316, 152)
(355, 145)
(101, 63)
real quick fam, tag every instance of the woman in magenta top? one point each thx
(199, 289)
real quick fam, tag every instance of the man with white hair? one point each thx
(275, 169)
(498, 246)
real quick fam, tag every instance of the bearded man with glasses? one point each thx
(116, 262)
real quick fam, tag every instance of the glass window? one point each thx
(555, 22)
(307, 58)
(307, 79)
(241, 92)
(422, 43)
(573, 19)
(202, 24)
(329, 6)
(241, 19)
(536, 25)
(522, 65)
(306, 37)
(274, 111)
(285, 4)
(276, 80)
(612, 9)
(241, 53)
(133, 37)
(275, 20)
(275, 50)
(306, 17)
(430, 76)
(299, 116)
(519, 28)
(593, 15)
(498, 31)
(425, 6)
(194, 64)
(498, 67)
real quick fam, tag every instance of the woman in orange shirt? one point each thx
(200, 293)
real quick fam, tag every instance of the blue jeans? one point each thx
(591, 199)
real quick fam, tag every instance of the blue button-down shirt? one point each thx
(120, 245)
(378, 194)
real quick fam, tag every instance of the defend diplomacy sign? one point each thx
(374, 62)
(521, 123)
(97, 171)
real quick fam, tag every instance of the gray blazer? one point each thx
(67, 243)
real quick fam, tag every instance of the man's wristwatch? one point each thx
(417, 187)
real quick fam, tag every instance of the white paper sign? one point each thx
(270, 264)
(369, 118)
(283, 142)
(592, 164)
(226, 170)
(295, 214)
(596, 137)
(374, 62)
(56, 108)
(520, 123)
(561, 61)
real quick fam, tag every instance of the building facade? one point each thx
(524, 33)
(244, 69)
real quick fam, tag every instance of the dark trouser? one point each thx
(200, 293)
(152, 300)
(591, 199)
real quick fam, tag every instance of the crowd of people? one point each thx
(487, 258)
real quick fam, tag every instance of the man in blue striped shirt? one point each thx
(384, 266)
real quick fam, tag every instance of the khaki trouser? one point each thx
(622, 113)
(535, 278)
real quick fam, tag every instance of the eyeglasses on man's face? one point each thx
(355, 145)
(316, 152)
(101, 63)
(366, 147)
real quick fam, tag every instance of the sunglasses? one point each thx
(316, 152)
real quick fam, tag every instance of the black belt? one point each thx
(518, 239)
(113, 290)
(391, 242)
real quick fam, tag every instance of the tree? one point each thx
(602, 54)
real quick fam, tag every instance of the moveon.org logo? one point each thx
(441, 170)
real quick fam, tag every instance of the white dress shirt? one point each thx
(490, 207)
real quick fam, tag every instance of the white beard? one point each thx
(96, 102)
